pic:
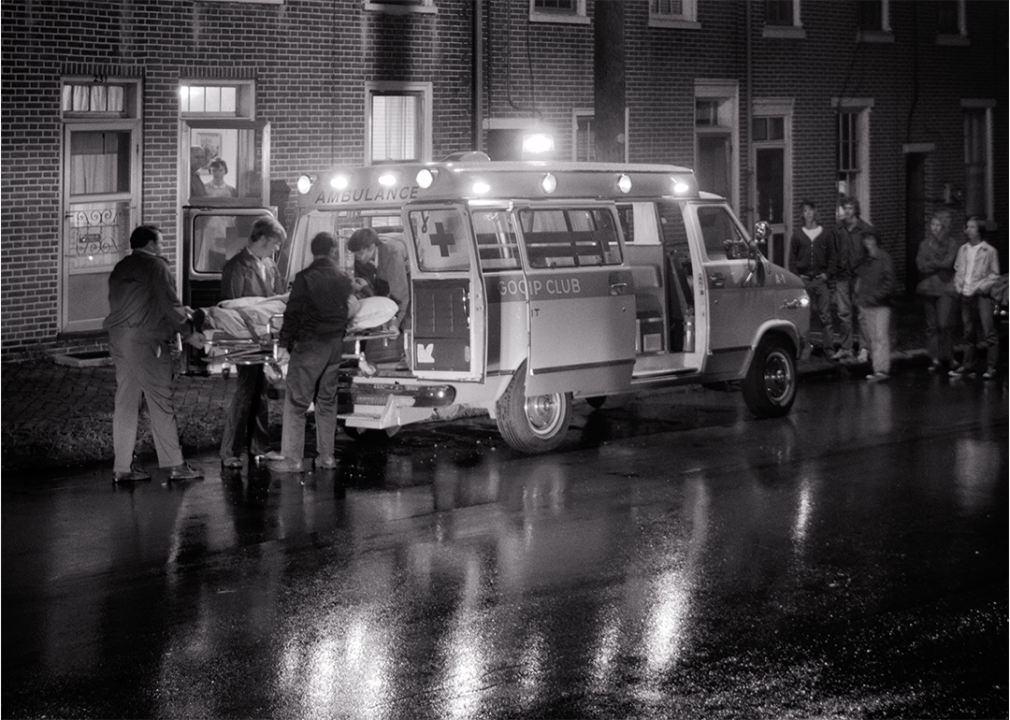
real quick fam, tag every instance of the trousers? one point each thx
(313, 376)
(143, 373)
(939, 312)
(248, 416)
(979, 325)
(845, 300)
(876, 325)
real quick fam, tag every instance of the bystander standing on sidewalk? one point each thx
(808, 257)
(976, 271)
(843, 265)
(874, 285)
(935, 261)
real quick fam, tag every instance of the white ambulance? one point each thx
(535, 284)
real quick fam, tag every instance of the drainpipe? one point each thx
(748, 117)
(478, 74)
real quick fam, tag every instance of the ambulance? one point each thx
(537, 284)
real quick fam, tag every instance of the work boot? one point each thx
(132, 475)
(184, 472)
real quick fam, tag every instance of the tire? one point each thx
(597, 401)
(536, 424)
(770, 386)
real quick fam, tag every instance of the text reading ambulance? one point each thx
(536, 283)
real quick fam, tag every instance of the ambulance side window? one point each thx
(723, 240)
(440, 239)
(570, 237)
(497, 246)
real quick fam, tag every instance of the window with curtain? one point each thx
(396, 127)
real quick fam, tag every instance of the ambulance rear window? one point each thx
(565, 238)
(441, 239)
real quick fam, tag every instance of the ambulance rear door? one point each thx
(580, 299)
(448, 306)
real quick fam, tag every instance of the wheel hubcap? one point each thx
(778, 378)
(543, 413)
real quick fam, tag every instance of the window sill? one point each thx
(674, 23)
(398, 9)
(559, 18)
(874, 36)
(784, 32)
(248, 2)
(952, 40)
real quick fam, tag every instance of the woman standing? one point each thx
(935, 261)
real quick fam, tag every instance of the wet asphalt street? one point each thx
(676, 559)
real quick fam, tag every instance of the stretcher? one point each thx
(247, 332)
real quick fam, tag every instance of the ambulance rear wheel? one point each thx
(770, 386)
(532, 424)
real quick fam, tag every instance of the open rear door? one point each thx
(448, 308)
(580, 301)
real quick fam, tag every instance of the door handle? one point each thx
(716, 280)
(617, 288)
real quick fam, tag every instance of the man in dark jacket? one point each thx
(847, 253)
(875, 283)
(144, 315)
(318, 311)
(250, 273)
(809, 253)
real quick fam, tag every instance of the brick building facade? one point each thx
(765, 99)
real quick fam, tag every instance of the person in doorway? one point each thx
(808, 258)
(144, 315)
(216, 186)
(976, 271)
(197, 162)
(383, 264)
(846, 254)
(318, 311)
(935, 261)
(875, 282)
(252, 272)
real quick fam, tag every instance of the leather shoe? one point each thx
(133, 475)
(272, 456)
(327, 462)
(184, 472)
(234, 463)
(287, 465)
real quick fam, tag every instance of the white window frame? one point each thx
(245, 98)
(578, 113)
(795, 31)
(405, 7)
(727, 91)
(775, 108)
(687, 19)
(578, 17)
(862, 107)
(987, 107)
(883, 34)
(961, 37)
(424, 90)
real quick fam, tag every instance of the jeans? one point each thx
(248, 415)
(313, 375)
(876, 324)
(820, 304)
(976, 313)
(939, 312)
(143, 371)
(845, 299)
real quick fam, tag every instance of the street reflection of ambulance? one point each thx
(534, 284)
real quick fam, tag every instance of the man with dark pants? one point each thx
(144, 315)
(846, 255)
(317, 314)
(809, 252)
(976, 270)
(251, 273)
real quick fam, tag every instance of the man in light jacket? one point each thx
(976, 270)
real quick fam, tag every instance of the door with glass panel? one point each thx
(101, 181)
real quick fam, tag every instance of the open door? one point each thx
(448, 307)
(580, 301)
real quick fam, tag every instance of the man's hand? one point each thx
(282, 355)
(197, 340)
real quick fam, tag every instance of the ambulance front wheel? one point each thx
(770, 386)
(532, 424)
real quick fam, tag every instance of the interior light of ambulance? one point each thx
(304, 184)
(549, 183)
(425, 177)
(387, 180)
(339, 182)
(624, 184)
(481, 188)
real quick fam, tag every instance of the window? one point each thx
(399, 122)
(100, 192)
(673, 14)
(951, 25)
(874, 21)
(717, 137)
(569, 238)
(771, 186)
(852, 151)
(497, 246)
(441, 240)
(978, 155)
(584, 148)
(782, 19)
(723, 239)
(569, 11)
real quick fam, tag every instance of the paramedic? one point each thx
(318, 311)
(383, 263)
(252, 272)
(144, 315)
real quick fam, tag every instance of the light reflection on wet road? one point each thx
(671, 561)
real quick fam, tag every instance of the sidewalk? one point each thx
(58, 416)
